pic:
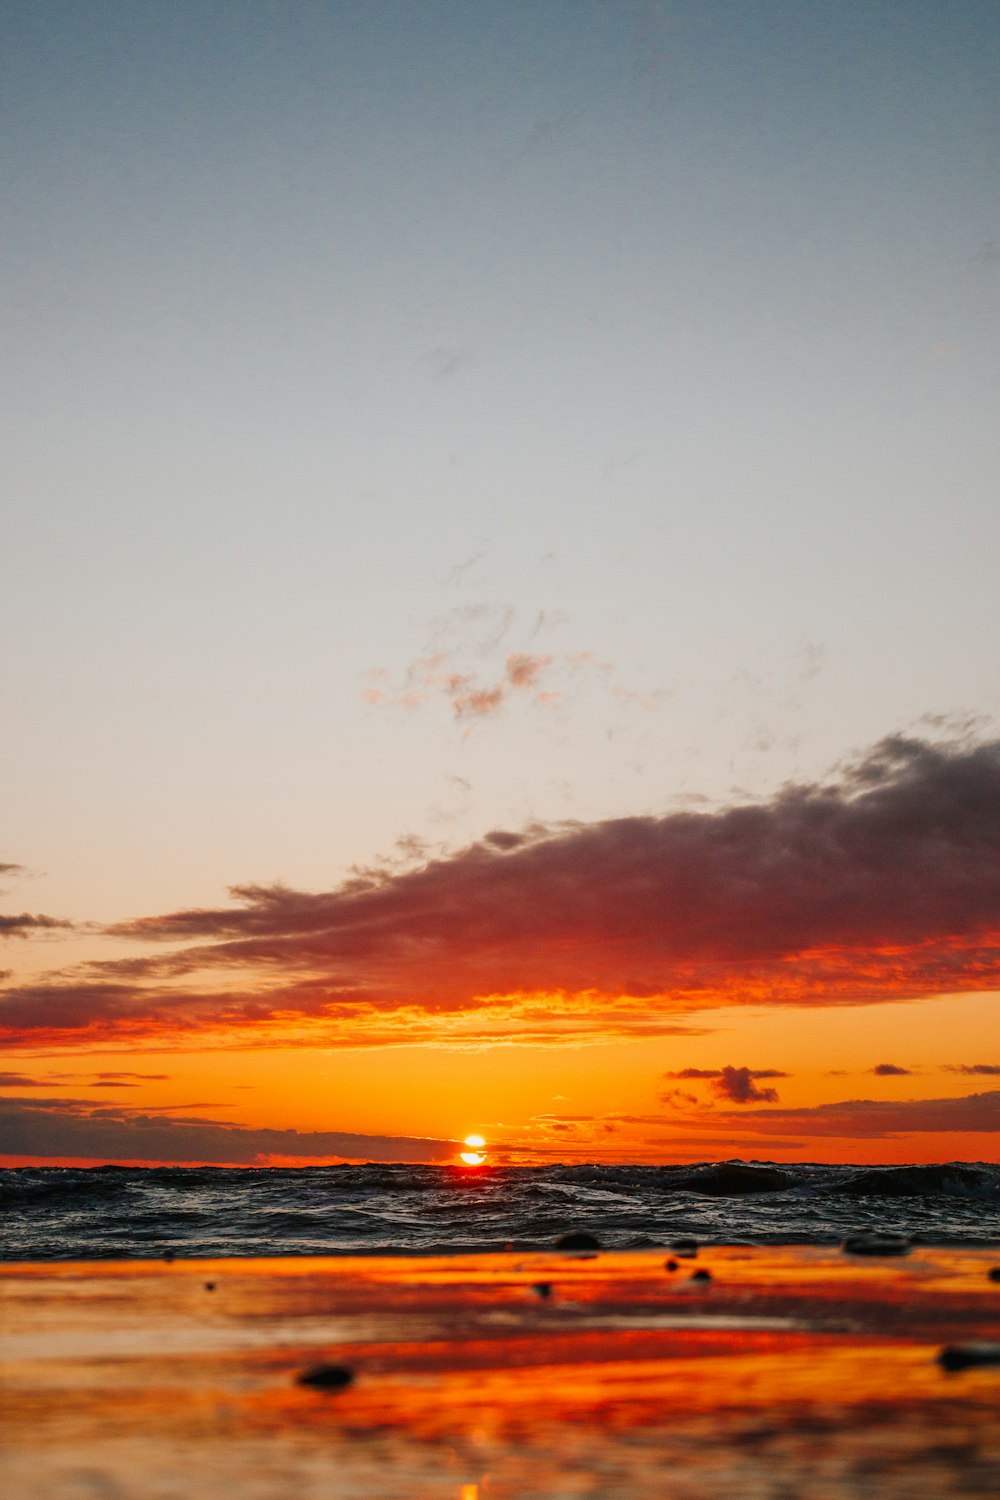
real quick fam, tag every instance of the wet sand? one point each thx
(786, 1373)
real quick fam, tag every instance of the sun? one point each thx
(476, 1154)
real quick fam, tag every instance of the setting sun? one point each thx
(476, 1154)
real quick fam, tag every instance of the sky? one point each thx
(498, 584)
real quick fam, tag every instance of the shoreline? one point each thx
(794, 1370)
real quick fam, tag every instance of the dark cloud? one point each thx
(870, 1119)
(76, 1128)
(890, 1070)
(9, 869)
(94, 1080)
(988, 1070)
(26, 922)
(718, 1073)
(107, 1077)
(883, 885)
(737, 1085)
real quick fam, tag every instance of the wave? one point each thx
(733, 1179)
(951, 1180)
(60, 1213)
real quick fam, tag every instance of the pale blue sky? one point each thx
(341, 335)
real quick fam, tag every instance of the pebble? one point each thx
(542, 1289)
(578, 1239)
(968, 1356)
(671, 1265)
(994, 1274)
(876, 1244)
(327, 1377)
(701, 1276)
(210, 1286)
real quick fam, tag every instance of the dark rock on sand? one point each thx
(701, 1275)
(578, 1239)
(542, 1289)
(876, 1244)
(671, 1265)
(994, 1273)
(326, 1377)
(728, 1180)
(210, 1286)
(968, 1356)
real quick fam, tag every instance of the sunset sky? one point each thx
(499, 580)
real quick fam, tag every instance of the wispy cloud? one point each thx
(882, 885)
(27, 924)
(476, 659)
(469, 694)
(890, 1070)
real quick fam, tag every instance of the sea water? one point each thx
(56, 1213)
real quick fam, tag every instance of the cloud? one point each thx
(718, 1073)
(890, 1070)
(78, 1129)
(461, 664)
(10, 869)
(695, 1073)
(25, 923)
(468, 696)
(679, 1099)
(881, 885)
(117, 1077)
(989, 1070)
(737, 1085)
(868, 1119)
(95, 1080)
(523, 670)
(477, 703)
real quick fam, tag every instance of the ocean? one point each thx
(54, 1213)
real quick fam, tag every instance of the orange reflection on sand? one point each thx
(458, 1366)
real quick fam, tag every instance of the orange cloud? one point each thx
(477, 703)
(523, 670)
(451, 667)
(882, 886)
